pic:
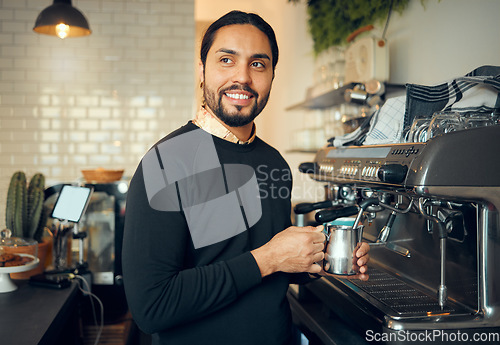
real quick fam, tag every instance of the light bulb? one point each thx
(62, 30)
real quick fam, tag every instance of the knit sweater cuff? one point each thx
(245, 272)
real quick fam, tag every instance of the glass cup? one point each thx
(479, 120)
(496, 119)
(60, 249)
(445, 122)
(405, 135)
(418, 130)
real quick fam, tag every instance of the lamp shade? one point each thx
(63, 20)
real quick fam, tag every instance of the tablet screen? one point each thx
(71, 203)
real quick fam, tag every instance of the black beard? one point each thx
(234, 120)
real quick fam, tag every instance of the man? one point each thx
(208, 249)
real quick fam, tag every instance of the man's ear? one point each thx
(200, 72)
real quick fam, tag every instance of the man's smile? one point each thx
(239, 98)
(238, 95)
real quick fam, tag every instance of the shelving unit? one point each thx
(326, 102)
(335, 97)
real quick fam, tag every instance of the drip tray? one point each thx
(399, 296)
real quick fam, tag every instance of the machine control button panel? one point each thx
(365, 163)
(351, 169)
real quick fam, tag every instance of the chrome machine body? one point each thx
(434, 231)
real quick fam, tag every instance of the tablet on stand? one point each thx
(69, 208)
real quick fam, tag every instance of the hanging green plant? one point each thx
(331, 21)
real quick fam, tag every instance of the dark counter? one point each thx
(318, 323)
(36, 315)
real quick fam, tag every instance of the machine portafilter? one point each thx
(303, 208)
(329, 215)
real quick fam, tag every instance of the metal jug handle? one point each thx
(325, 232)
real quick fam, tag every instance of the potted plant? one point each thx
(331, 22)
(25, 215)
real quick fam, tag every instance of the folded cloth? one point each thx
(355, 138)
(477, 91)
(387, 123)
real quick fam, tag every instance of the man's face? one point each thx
(238, 74)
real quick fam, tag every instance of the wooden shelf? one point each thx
(303, 151)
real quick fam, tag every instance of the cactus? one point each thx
(25, 214)
(38, 234)
(36, 197)
(37, 181)
(15, 211)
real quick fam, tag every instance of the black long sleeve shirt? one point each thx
(189, 294)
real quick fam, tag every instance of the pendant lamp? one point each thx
(61, 19)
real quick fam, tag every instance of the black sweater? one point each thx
(213, 294)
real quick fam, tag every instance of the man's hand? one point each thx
(359, 263)
(294, 250)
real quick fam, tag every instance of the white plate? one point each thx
(6, 284)
(21, 268)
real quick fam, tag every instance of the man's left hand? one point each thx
(359, 264)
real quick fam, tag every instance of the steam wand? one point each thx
(362, 207)
(384, 233)
(443, 234)
(443, 290)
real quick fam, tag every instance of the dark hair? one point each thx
(238, 17)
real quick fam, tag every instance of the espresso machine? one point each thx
(431, 217)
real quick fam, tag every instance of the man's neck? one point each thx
(243, 133)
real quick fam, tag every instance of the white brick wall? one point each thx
(96, 101)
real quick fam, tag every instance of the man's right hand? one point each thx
(294, 250)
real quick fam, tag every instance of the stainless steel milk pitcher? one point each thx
(341, 246)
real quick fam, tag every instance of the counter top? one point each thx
(38, 315)
(320, 326)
